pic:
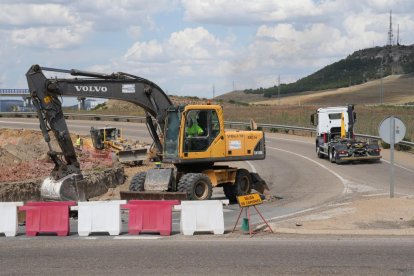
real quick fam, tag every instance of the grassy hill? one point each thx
(360, 67)
(397, 89)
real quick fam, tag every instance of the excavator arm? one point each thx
(46, 93)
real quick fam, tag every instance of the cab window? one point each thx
(201, 128)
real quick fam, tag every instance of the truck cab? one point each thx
(329, 120)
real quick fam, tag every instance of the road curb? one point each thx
(368, 232)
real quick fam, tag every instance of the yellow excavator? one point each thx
(192, 138)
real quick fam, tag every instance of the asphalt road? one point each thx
(293, 172)
(213, 256)
(291, 169)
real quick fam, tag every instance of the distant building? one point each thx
(90, 104)
(11, 105)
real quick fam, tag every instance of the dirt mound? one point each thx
(23, 155)
(24, 164)
(120, 105)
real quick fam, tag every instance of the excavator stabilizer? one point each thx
(70, 187)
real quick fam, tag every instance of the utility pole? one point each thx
(381, 85)
(233, 86)
(278, 88)
(214, 91)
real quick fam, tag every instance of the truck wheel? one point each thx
(196, 185)
(332, 155)
(137, 182)
(229, 192)
(318, 152)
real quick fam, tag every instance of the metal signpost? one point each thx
(392, 131)
(245, 202)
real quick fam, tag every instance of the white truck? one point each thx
(335, 136)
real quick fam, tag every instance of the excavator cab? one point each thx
(190, 132)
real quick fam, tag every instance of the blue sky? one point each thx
(187, 46)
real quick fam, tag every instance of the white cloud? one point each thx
(145, 51)
(135, 31)
(245, 12)
(191, 45)
(53, 38)
(216, 41)
(186, 58)
(36, 14)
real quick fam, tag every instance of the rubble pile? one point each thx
(24, 163)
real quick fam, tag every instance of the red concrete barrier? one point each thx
(47, 217)
(150, 216)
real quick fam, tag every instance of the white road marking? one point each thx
(304, 142)
(293, 214)
(372, 195)
(343, 180)
(397, 165)
(253, 169)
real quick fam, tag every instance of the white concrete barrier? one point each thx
(197, 216)
(9, 218)
(99, 216)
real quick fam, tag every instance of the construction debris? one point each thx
(24, 164)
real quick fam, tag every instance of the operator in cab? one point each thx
(194, 129)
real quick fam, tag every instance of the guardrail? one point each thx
(96, 117)
(311, 130)
(141, 119)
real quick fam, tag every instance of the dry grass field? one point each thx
(398, 89)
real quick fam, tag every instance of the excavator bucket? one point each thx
(70, 187)
(135, 155)
(260, 185)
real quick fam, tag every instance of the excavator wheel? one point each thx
(196, 185)
(242, 186)
(137, 182)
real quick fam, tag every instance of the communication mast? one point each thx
(390, 33)
(398, 34)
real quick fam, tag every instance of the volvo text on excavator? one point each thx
(193, 154)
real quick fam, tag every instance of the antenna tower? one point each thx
(398, 34)
(390, 34)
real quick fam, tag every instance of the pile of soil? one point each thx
(24, 164)
(23, 155)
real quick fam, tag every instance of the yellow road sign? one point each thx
(249, 200)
